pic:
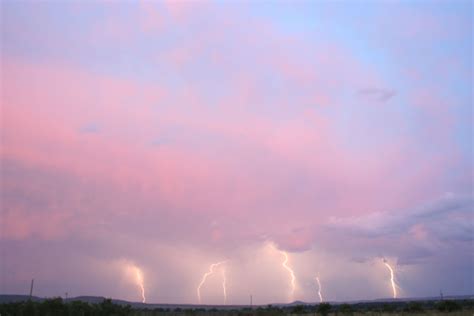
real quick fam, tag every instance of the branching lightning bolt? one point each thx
(139, 280)
(392, 278)
(319, 290)
(204, 277)
(290, 271)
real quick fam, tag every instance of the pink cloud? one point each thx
(168, 147)
(296, 161)
(174, 135)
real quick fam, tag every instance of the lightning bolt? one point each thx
(392, 278)
(319, 290)
(204, 277)
(139, 280)
(224, 289)
(290, 271)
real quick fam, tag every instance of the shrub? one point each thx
(298, 309)
(346, 309)
(448, 306)
(414, 307)
(388, 308)
(324, 308)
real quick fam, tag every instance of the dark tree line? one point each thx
(56, 307)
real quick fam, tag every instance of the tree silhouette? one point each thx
(324, 308)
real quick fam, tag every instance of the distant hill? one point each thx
(6, 298)
(11, 298)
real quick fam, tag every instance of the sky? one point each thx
(144, 141)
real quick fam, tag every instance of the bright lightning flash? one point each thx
(319, 290)
(138, 279)
(204, 277)
(290, 271)
(392, 278)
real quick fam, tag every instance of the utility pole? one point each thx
(251, 303)
(31, 288)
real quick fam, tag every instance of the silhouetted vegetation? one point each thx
(388, 308)
(448, 306)
(414, 307)
(324, 308)
(346, 309)
(298, 309)
(56, 307)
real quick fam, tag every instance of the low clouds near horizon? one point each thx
(169, 136)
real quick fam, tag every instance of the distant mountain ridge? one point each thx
(12, 298)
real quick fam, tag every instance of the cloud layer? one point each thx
(171, 136)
